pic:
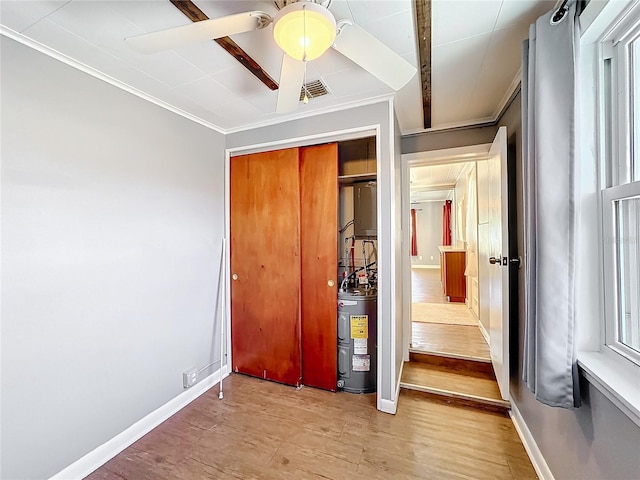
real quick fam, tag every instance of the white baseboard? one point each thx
(105, 452)
(484, 332)
(530, 445)
(390, 406)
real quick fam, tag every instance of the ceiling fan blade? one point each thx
(361, 47)
(198, 32)
(291, 78)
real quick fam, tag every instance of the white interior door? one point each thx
(498, 266)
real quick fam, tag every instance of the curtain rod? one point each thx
(560, 13)
(563, 9)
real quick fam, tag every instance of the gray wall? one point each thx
(439, 140)
(112, 218)
(595, 441)
(428, 232)
(323, 128)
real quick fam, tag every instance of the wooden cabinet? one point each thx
(452, 265)
(283, 217)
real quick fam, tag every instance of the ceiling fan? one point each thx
(304, 30)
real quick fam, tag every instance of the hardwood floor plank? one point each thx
(470, 367)
(460, 340)
(171, 443)
(135, 464)
(426, 286)
(442, 378)
(322, 464)
(427, 464)
(262, 430)
(105, 474)
(452, 339)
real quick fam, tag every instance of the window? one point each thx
(620, 186)
(608, 256)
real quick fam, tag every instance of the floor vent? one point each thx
(314, 89)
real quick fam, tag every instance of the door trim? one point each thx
(302, 141)
(445, 156)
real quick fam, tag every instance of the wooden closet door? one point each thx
(318, 248)
(265, 265)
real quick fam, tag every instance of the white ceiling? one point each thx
(435, 182)
(476, 56)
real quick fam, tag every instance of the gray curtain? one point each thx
(549, 70)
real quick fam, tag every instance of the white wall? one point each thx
(428, 232)
(112, 218)
(458, 211)
(400, 247)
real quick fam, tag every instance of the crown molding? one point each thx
(503, 105)
(50, 52)
(312, 113)
(509, 95)
(474, 123)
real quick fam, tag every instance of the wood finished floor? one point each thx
(263, 430)
(426, 286)
(451, 339)
(465, 383)
(459, 340)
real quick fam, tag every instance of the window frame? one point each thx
(611, 268)
(602, 365)
(616, 162)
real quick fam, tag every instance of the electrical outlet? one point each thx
(431, 257)
(190, 377)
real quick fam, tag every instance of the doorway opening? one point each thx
(444, 261)
(458, 347)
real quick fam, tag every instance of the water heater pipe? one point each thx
(353, 255)
(364, 260)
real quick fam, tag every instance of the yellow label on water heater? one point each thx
(359, 326)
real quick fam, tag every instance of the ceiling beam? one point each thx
(194, 14)
(423, 20)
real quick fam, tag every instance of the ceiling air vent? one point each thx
(314, 89)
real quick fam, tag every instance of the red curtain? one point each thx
(446, 223)
(414, 241)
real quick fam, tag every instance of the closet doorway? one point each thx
(283, 224)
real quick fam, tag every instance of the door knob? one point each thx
(234, 276)
(331, 283)
(494, 260)
(516, 261)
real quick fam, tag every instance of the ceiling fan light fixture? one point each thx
(304, 30)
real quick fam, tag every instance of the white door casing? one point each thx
(493, 279)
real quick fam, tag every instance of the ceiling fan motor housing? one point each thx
(280, 4)
(304, 30)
